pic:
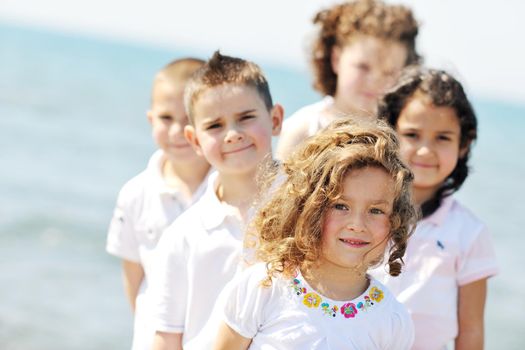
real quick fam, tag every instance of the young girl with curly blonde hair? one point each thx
(342, 200)
(360, 48)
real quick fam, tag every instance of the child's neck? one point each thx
(237, 192)
(337, 282)
(185, 177)
(421, 195)
(342, 109)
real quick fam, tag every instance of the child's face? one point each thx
(233, 128)
(430, 138)
(365, 69)
(356, 227)
(168, 119)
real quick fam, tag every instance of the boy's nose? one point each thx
(233, 135)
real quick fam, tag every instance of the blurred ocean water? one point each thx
(73, 130)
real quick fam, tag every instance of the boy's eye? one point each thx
(247, 117)
(213, 126)
(166, 118)
(340, 206)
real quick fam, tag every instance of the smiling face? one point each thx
(168, 119)
(233, 128)
(365, 69)
(430, 139)
(356, 227)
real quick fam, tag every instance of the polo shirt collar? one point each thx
(212, 211)
(439, 216)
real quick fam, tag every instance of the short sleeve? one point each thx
(478, 259)
(168, 289)
(121, 239)
(244, 306)
(401, 329)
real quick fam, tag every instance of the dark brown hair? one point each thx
(442, 90)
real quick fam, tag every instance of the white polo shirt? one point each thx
(449, 249)
(196, 257)
(290, 314)
(145, 207)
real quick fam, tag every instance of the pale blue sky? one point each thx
(478, 40)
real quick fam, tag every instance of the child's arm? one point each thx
(167, 341)
(291, 136)
(228, 339)
(471, 307)
(133, 274)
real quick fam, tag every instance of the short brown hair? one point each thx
(221, 69)
(340, 23)
(287, 227)
(178, 71)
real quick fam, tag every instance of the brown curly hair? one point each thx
(340, 23)
(287, 227)
(442, 90)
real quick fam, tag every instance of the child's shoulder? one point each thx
(460, 216)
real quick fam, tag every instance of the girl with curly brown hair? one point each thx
(450, 255)
(360, 48)
(343, 200)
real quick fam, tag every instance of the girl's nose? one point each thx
(424, 148)
(176, 128)
(355, 223)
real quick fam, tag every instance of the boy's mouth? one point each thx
(237, 150)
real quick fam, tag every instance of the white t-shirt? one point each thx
(196, 257)
(449, 249)
(145, 207)
(304, 123)
(291, 315)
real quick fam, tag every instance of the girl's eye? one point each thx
(166, 118)
(339, 206)
(444, 138)
(363, 66)
(409, 135)
(376, 211)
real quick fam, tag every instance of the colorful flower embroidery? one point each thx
(349, 310)
(311, 300)
(330, 311)
(376, 294)
(296, 285)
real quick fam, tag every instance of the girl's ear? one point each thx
(149, 116)
(464, 150)
(191, 136)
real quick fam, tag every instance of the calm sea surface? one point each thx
(73, 130)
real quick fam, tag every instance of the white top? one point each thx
(145, 207)
(196, 257)
(450, 248)
(304, 123)
(291, 315)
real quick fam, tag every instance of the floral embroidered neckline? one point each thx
(329, 308)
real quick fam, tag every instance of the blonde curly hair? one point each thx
(341, 23)
(286, 230)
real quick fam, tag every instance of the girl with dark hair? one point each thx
(450, 256)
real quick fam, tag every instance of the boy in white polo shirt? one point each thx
(149, 202)
(232, 122)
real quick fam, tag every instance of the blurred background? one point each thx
(75, 80)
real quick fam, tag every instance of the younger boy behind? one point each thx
(150, 201)
(232, 121)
